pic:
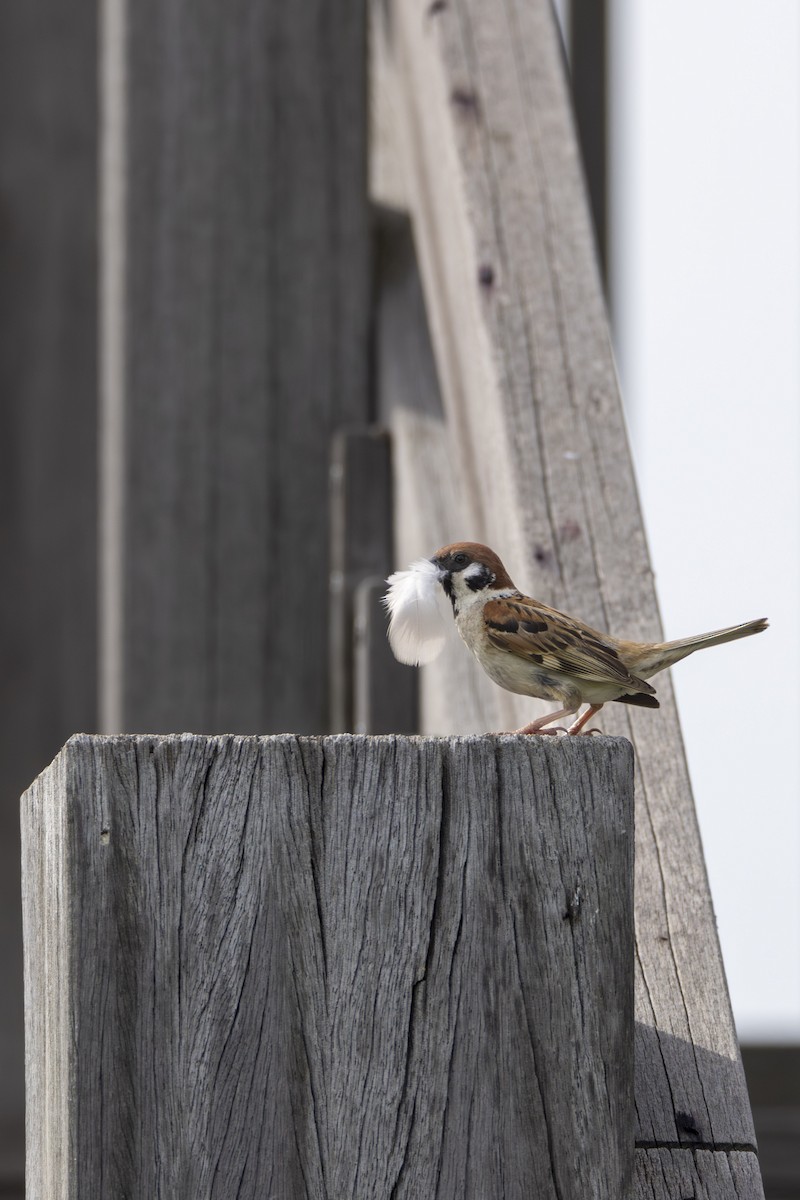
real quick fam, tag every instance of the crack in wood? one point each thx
(693, 1147)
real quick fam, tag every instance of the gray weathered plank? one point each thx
(427, 484)
(235, 339)
(533, 448)
(48, 509)
(342, 967)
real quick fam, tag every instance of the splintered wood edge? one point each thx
(723, 1174)
(47, 975)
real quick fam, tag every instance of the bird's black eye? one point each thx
(461, 559)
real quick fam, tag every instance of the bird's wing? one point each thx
(556, 642)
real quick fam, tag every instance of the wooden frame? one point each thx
(493, 372)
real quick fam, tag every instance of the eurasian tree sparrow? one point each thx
(523, 645)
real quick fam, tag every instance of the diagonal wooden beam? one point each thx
(535, 452)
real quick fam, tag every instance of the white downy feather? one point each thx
(415, 601)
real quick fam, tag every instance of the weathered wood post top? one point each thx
(338, 967)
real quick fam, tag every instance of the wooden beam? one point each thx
(349, 967)
(236, 285)
(533, 445)
(48, 446)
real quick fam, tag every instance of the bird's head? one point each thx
(467, 570)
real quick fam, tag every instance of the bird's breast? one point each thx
(509, 670)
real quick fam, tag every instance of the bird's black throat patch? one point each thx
(449, 590)
(480, 579)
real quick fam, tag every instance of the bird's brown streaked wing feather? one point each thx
(556, 642)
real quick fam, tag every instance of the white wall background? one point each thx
(705, 261)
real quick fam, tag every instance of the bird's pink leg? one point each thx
(539, 725)
(578, 725)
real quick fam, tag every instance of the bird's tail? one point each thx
(664, 655)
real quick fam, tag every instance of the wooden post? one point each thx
(342, 967)
(235, 340)
(48, 452)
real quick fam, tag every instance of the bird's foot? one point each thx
(528, 730)
(584, 732)
(577, 727)
(545, 724)
(535, 728)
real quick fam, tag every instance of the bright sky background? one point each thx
(706, 289)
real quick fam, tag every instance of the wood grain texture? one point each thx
(533, 448)
(48, 447)
(235, 339)
(342, 967)
(49, 1065)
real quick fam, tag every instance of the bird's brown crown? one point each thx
(478, 553)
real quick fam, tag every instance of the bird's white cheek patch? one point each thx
(478, 576)
(416, 603)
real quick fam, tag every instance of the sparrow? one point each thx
(534, 650)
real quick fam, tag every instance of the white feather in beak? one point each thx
(417, 609)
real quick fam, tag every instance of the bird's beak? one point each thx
(440, 569)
